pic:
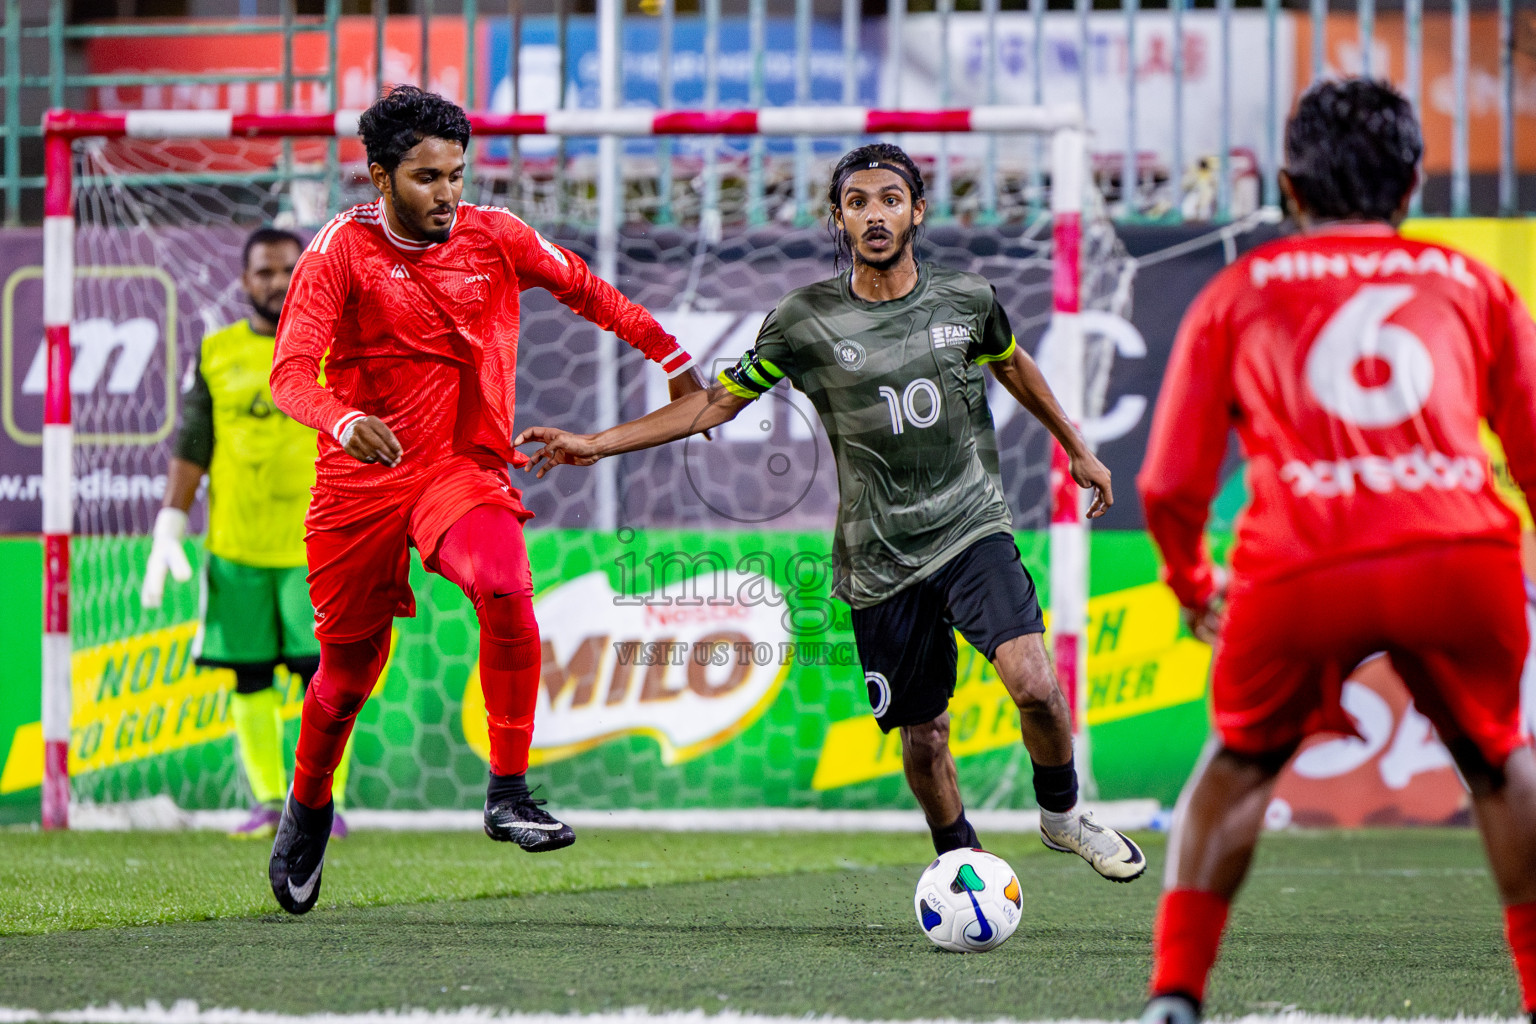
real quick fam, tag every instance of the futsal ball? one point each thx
(968, 901)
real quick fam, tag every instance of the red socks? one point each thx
(484, 554)
(1520, 929)
(346, 677)
(1185, 940)
(509, 677)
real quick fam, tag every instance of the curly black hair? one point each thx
(858, 160)
(267, 236)
(402, 118)
(1352, 149)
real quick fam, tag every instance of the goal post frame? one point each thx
(1064, 124)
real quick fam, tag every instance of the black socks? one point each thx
(506, 787)
(957, 835)
(1056, 786)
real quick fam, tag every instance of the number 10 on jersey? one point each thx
(907, 402)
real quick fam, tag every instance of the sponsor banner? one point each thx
(541, 77)
(688, 671)
(21, 628)
(1342, 56)
(143, 299)
(539, 73)
(356, 68)
(1396, 772)
(680, 669)
(1108, 59)
(1506, 245)
(357, 79)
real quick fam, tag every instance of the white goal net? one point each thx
(159, 226)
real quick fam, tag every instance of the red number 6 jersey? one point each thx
(1355, 366)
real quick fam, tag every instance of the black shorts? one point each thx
(907, 642)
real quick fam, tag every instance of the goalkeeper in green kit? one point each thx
(891, 354)
(255, 612)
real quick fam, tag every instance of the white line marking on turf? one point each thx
(188, 1012)
(160, 813)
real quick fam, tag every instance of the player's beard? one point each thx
(901, 250)
(424, 228)
(438, 235)
(272, 311)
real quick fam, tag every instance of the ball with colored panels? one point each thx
(968, 901)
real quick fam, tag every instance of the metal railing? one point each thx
(63, 86)
(1148, 170)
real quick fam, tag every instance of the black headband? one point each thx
(877, 165)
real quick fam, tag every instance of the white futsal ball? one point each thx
(968, 901)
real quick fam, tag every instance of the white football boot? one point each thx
(1110, 853)
(1171, 1009)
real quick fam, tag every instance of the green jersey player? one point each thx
(255, 612)
(890, 354)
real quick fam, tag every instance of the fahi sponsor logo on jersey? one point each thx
(691, 665)
(950, 335)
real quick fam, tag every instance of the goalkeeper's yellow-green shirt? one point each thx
(261, 463)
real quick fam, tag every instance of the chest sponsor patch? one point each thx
(950, 335)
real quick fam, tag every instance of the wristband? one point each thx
(342, 432)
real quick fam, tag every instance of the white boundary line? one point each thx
(160, 814)
(188, 1012)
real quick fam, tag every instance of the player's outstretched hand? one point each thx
(687, 384)
(561, 448)
(1088, 471)
(166, 555)
(370, 440)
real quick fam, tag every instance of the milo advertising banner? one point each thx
(680, 669)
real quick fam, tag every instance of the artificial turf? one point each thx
(1371, 924)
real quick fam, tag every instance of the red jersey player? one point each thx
(1355, 366)
(412, 301)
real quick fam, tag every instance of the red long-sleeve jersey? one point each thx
(424, 336)
(1355, 366)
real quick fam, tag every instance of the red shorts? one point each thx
(1450, 616)
(359, 573)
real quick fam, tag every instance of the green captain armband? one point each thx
(752, 377)
(1007, 353)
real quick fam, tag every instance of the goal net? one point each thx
(643, 571)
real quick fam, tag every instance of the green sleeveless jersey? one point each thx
(261, 463)
(899, 389)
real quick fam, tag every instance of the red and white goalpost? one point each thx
(1069, 181)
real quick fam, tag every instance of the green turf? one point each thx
(1373, 924)
(74, 880)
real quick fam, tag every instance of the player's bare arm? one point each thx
(695, 413)
(1023, 379)
(686, 383)
(689, 382)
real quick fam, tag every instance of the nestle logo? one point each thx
(949, 335)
